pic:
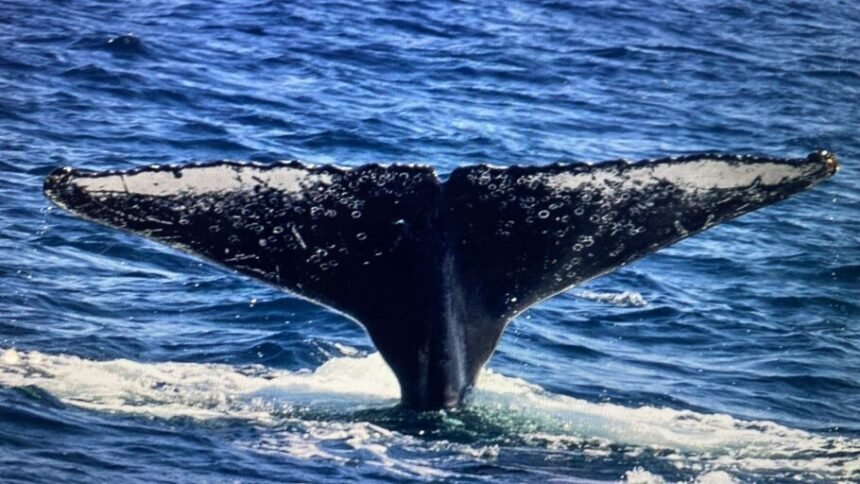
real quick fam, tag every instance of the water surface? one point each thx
(732, 356)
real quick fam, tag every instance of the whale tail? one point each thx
(432, 270)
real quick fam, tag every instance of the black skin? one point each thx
(433, 270)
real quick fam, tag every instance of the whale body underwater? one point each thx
(432, 268)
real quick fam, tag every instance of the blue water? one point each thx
(731, 357)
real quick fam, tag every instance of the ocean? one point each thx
(732, 356)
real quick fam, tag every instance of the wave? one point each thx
(626, 298)
(340, 402)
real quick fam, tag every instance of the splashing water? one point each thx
(336, 404)
(621, 299)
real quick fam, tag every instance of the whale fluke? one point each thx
(433, 270)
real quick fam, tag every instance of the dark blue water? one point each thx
(733, 356)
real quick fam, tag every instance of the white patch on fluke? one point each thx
(202, 180)
(703, 174)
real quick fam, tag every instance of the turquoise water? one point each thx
(732, 356)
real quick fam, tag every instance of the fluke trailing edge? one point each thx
(433, 270)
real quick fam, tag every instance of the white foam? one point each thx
(10, 357)
(626, 298)
(708, 444)
(716, 477)
(640, 476)
(199, 180)
(200, 391)
(338, 442)
(715, 440)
